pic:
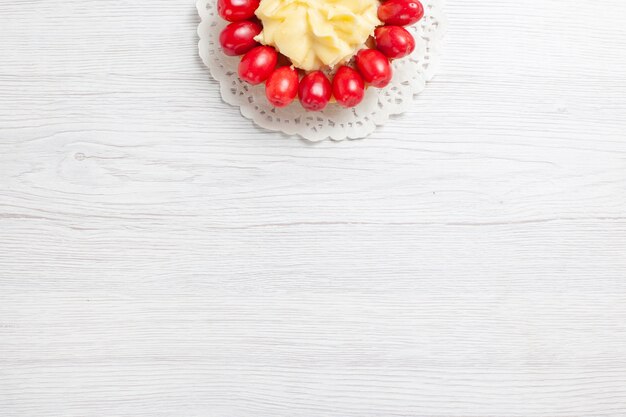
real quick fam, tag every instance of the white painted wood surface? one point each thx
(161, 256)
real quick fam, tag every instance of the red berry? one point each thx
(282, 86)
(258, 64)
(236, 10)
(348, 87)
(400, 12)
(238, 38)
(394, 41)
(315, 91)
(374, 67)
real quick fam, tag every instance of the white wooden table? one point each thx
(161, 256)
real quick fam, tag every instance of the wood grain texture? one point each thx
(161, 256)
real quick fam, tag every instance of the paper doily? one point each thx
(409, 79)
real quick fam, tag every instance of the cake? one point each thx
(295, 46)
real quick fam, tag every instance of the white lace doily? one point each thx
(409, 79)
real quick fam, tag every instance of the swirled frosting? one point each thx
(317, 33)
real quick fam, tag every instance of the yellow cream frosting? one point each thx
(317, 33)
